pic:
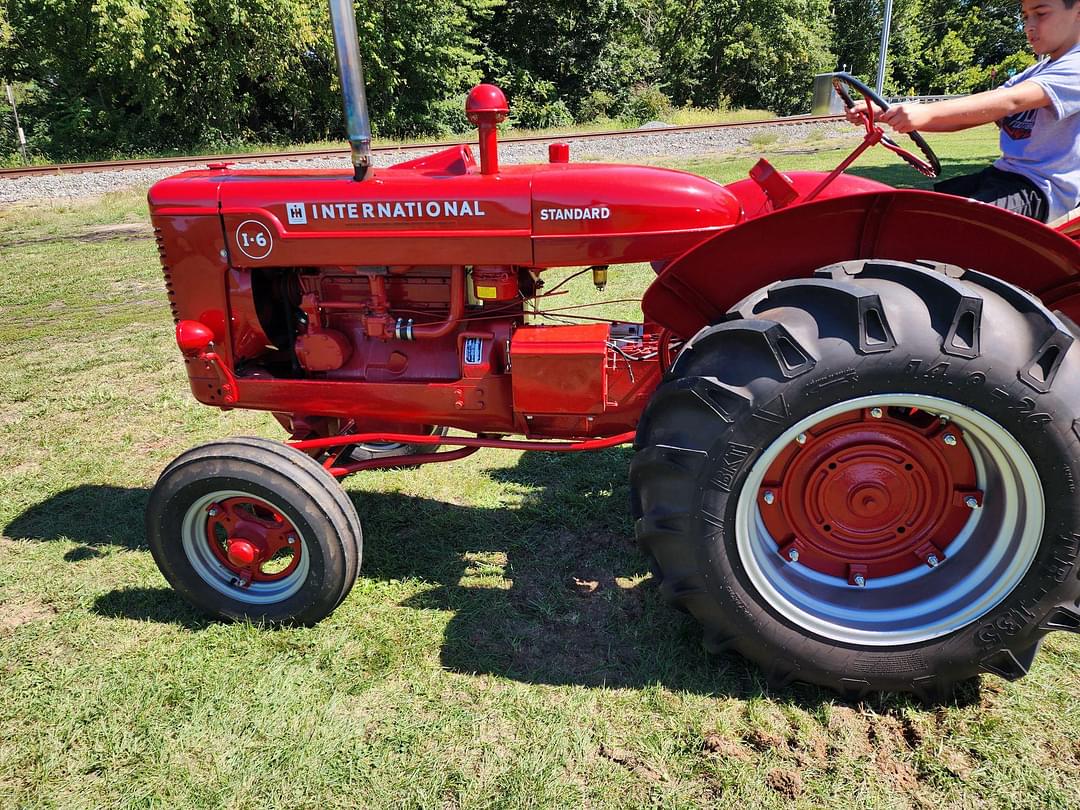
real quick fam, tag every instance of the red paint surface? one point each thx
(698, 287)
(875, 496)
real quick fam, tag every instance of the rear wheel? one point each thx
(867, 480)
(252, 529)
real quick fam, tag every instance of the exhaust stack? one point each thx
(357, 120)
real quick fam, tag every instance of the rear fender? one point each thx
(697, 288)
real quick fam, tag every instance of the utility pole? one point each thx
(884, 54)
(18, 129)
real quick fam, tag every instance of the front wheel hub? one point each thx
(252, 539)
(242, 553)
(870, 493)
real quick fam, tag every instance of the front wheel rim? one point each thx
(981, 564)
(210, 561)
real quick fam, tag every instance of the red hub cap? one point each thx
(252, 539)
(870, 493)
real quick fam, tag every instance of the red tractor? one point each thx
(857, 432)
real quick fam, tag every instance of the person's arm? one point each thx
(962, 113)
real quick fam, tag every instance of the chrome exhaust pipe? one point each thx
(357, 120)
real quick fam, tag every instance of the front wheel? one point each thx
(867, 480)
(252, 529)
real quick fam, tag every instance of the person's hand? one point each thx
(905, 118)
(856, 115)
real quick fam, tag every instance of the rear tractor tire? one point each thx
(252, 529)
(867, 480)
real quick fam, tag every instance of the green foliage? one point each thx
(116, 77)
(647, 103)
(535, 102)
(125, 76)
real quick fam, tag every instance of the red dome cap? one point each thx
(486, 100)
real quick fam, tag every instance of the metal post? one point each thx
(884, 54)
(357, 121)
(18, 128)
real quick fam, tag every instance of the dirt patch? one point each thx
(721, 747)
(13, 616)
(814, 751)
(849, 732)
(632, 763)
(761, 740)
(128, 230)
(786, 783)
(25, 468)
(887, 736)
(957, 763)
(99, 233)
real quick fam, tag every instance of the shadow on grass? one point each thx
(549, 589)
(93, 516)
(900, 175)
(150, 605)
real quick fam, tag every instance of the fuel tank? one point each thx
(443, 210)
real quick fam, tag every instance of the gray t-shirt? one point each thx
(1043, 145)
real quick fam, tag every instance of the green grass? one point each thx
(502, 648)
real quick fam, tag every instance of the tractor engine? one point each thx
(461, 330)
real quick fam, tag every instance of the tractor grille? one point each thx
(168, 275)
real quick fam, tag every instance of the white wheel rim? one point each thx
(224, 580)
(922, 603)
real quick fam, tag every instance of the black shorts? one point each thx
(1007, 190)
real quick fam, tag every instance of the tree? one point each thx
(123, 76)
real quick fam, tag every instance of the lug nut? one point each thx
(875, 412)
(769, 497)
(291, 538)
(971, 502)
(793, 555)
(801, 438)
(932, 561)
(860, 581)
(212, 511)
(949, 439)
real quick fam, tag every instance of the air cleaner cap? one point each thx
(486, 104)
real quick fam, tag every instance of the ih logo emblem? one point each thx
(297, 213)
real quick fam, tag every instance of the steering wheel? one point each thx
(931, 167)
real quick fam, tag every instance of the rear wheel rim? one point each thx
(268, 580)
(982, 559)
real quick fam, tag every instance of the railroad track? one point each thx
(253, 157)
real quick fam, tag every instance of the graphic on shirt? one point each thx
(1020, 126)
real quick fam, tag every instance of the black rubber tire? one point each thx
(859, 329)
(298, 487)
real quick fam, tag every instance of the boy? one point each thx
(1038, 112)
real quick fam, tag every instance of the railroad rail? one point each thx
(253, 157)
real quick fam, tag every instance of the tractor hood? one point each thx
(442, 210)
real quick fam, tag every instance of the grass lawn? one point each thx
(503, 646)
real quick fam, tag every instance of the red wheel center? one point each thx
(252, 539)
(242, 553)
(872, 493)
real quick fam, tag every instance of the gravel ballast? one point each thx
(627, 149)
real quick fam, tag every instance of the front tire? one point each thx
(848, 482)
(252, 529)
